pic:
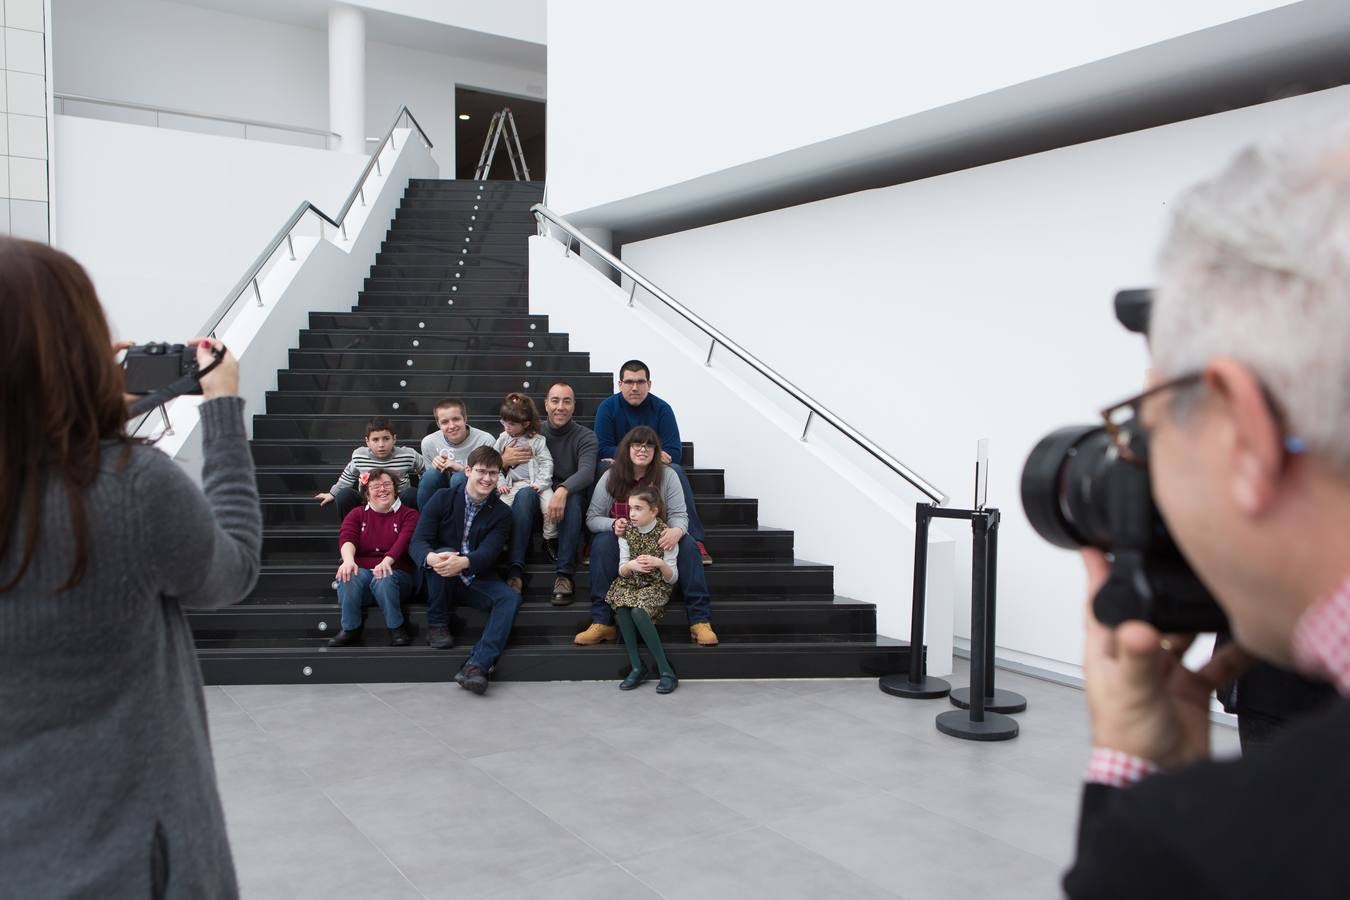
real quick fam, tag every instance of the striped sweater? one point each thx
(401, 464)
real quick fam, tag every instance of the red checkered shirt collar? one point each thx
(1322, 639)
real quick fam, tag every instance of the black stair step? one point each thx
(399, 381)
(316, 546)
(335, 453)
(410, 255)
(510, 185)
(415, 200)
(481, 407)
(511, 300)
(477, 267)
(448, 322)
(296, 512)
(422, 339)
(478, 280)
(296, 478)
(311, 583)
(538, 618)
(521, 220)
(553, 662)
(397, 242)
(343, 428)
(418, 359)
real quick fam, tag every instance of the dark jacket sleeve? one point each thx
(669, 431)
(606, 431)
(587, 454)
(426, 537)
(1130, 849)
(483, 557)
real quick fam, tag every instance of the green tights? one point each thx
(634, 622)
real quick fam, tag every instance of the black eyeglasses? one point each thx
(1123, 421)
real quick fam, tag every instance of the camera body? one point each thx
(1078, 492)
(150, 367)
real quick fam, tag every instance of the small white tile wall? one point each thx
(24, 187)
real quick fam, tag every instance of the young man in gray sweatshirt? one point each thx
(574, 450)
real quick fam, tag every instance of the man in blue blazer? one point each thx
(459, 537)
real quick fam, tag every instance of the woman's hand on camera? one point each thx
(347, 571)
(1141, 699)
(223, 380)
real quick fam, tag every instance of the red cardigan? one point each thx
(377, 535)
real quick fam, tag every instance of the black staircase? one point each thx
(444, 313)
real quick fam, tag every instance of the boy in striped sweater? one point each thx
(380, 452)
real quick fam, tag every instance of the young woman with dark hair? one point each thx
(109, 789)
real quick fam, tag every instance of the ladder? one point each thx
(500, 120)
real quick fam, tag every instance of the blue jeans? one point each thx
(487, 593)
(364, 589)
(346, 500)
(525, 512)
(605, 568)
(432, 481)
(695, 523)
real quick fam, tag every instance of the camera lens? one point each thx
(1064, 487)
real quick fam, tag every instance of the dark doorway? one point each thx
(470, 133)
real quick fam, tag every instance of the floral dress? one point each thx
(642, 590)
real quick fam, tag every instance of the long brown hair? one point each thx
(622, 476)
(60, 395)
(520, 408)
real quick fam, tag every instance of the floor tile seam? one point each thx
(374, 843)
(810, 851)
(958, 824)
(273, 739)
(440, 741)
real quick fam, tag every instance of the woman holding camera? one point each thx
(107, 786)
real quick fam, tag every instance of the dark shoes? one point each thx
(438, 637)
(400, 637)
(551, 548)
(667, 684)
(345, 638)
(472, 678)
(635, 677)
(562, 591)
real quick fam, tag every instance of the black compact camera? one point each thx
(153, 367)
(1078, 492)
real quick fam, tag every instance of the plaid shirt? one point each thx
(471, 510)
(1321, 650)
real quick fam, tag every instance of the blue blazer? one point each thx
(442, 525)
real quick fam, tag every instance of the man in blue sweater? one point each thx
(636, 405)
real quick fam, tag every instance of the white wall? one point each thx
(975, 304)
(201, 60)
(167, 221)
(325, 275)
(645, 95)
(735, 421)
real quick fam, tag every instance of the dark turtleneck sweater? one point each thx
(574, 449)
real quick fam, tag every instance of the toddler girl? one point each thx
(520, 428)
(640, 593)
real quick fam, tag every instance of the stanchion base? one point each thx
(994, 727)
(901, 686)
(1002, 701)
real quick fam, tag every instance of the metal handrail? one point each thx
(167, 110)
(814, 407)
(284, 234)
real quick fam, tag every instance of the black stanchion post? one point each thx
(916, 685)
(975, 724)
(995, 700)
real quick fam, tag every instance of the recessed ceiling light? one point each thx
(464, 117)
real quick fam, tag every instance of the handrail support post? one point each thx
(257, 292)
(290, 246)
(164, 414)
(810, 414)
(711, 347)
(632, 290)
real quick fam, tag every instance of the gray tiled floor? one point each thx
(740, 789)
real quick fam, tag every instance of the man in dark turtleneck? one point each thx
(574, 451)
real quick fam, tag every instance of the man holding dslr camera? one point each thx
(1243, 429)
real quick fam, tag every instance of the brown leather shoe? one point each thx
(597, 634)
(702, 634)
(562, 591)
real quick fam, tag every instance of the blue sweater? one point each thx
(615, 417)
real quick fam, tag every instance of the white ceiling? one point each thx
(437, 36)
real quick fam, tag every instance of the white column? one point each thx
(347, 77)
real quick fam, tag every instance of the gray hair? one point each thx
(1257, 267)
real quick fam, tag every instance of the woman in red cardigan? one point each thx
(375, 565)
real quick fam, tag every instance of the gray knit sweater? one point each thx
(107, 786)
